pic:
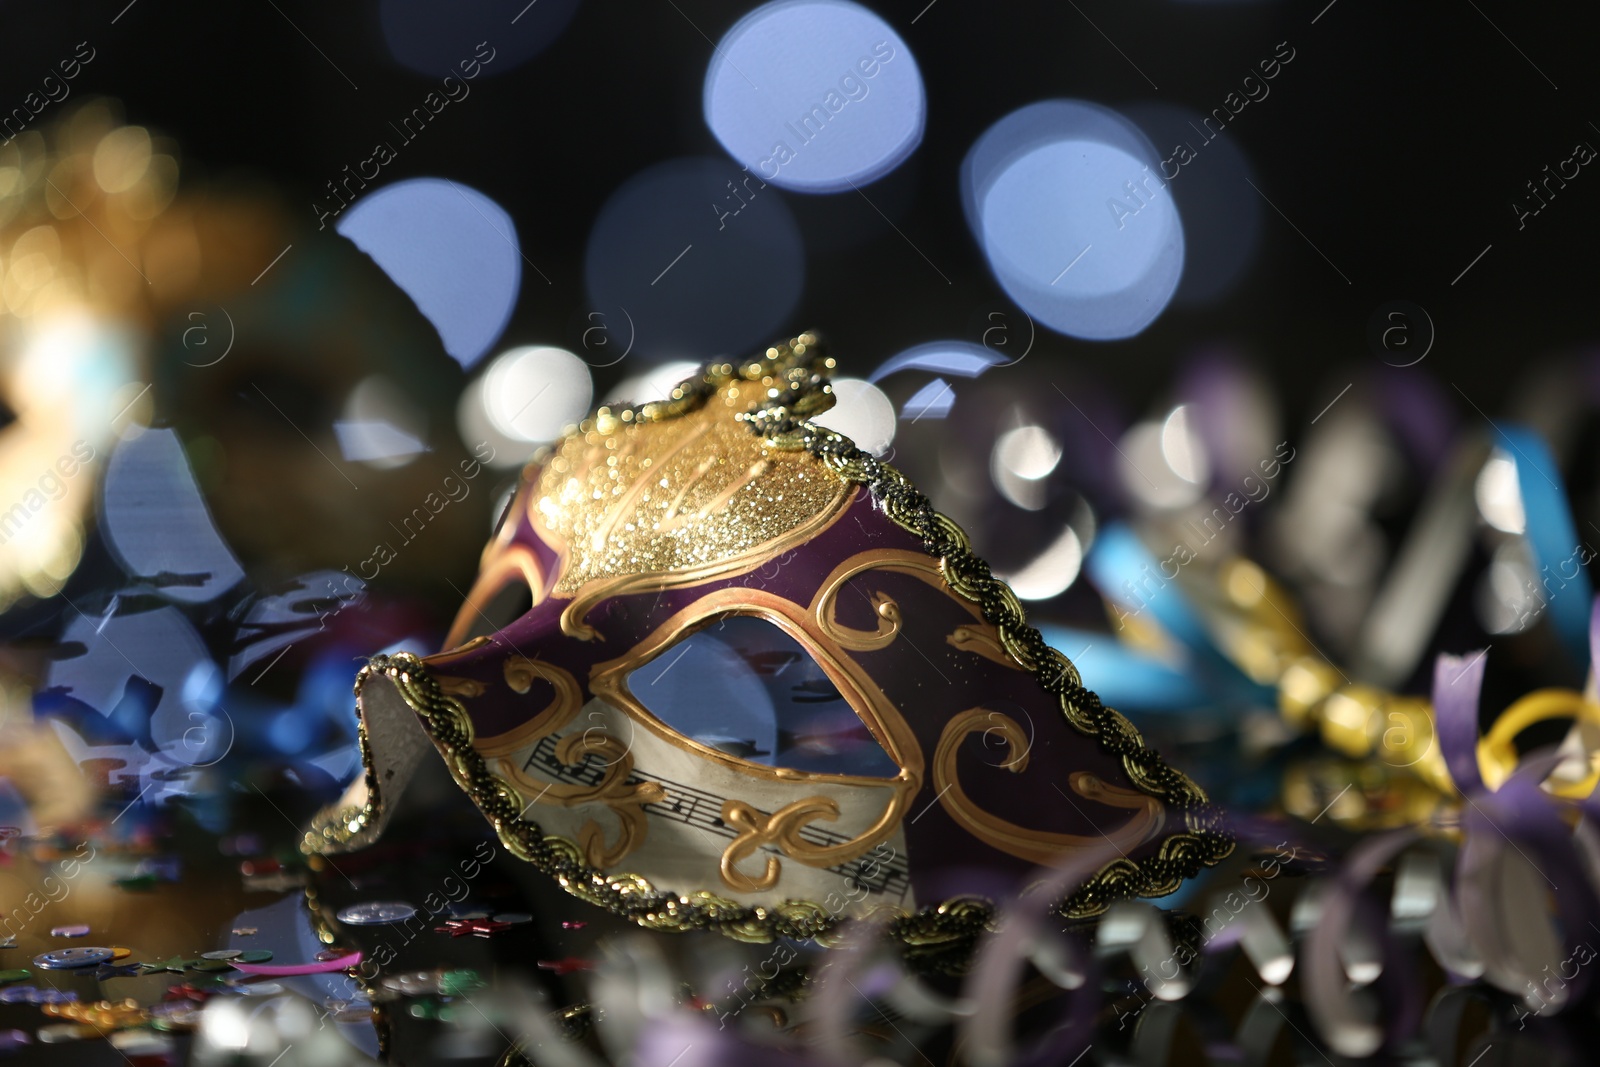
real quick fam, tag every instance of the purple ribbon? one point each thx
(1456, 683)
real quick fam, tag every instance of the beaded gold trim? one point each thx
(344, 826)
(796, 374)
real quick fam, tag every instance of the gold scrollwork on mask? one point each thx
(781, 828)
(520, 672)
(1036, 846)
(450, 685)
(613, 790)
(883, 606)
(824, 608)
(625, 801)
(981, 639)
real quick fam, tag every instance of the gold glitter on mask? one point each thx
(683, 498)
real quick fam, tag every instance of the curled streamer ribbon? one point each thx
(1516, 848)
(1022, 934)
(866, 970)
(1350, 1018)
(1516, 839)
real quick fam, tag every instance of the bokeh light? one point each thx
(1182, 448)
(376, 441)
(533, 393)
(1053, 572)
(526, 397)
(453, 250)
(1209, 180)
(862, 413)
(961, 358)
(698, 256)
(1508, 597)
(933, 401)
(1146, 467)
(65, 392)
(381, 426)
(1069, 207)
(1022, 458)
(817, 96)
(1498, 495)
(121, 158)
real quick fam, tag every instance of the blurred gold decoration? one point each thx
(98, 254)
(122, 295)
(102, 1015)
(1360, 795)
(1394, 767)
(34, 761)
(79, 204)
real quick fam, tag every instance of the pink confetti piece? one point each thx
(288, 970)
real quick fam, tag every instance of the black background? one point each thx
(1396, 141)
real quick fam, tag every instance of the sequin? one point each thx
(676, 495)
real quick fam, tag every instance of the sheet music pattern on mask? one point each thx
(891, 880)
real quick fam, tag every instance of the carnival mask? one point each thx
(723, 669)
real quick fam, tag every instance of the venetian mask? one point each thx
(126, 303)
(723, 669)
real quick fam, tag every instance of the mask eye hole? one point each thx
(510, 602)
(743, 686)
